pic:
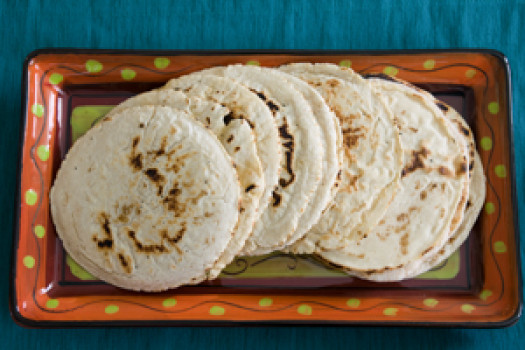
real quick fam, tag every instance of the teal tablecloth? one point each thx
(28, 25)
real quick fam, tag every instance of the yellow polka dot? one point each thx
(486, 143)
(52, 303)
(128, 74)
(429, 64)
(253, 63)
(161, 62)
(467, 308)
(353, 303)
(304, 309)
(485, 294)
(43, 152)
(430, 302)
(217, 311)
(490, 208)
(390, 311)
(29, 261)
(111, 309)
(37, 110)
(500, 247)
(56, 78)
(500, 170)
(265, 302)
(345, 63)
(392, 71)
(169, 302)
(470, 73)
(31, 197)
(493, 107)
(93, 66)
(40, 231)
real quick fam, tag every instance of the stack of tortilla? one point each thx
(368, 173)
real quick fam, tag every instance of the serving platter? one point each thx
(66, 91)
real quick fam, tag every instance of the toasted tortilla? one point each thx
(430, 203)
(372, 158)
(147, 199)
(239, 141)
(301, 166)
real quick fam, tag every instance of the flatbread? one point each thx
(476, 197)
(302, 148)
(332, 157)
(146, 200)
(430, 203)
(372, 160)
(244, 105)
(239, 141)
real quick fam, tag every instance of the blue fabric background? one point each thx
(28, 25)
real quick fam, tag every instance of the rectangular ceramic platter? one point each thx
(66, 91)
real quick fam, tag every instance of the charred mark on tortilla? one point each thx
(289, 149)
(146, 248)
(249, 188)
(442, 106)
(135, 158)
(124, 262)
(276, 199)
(107, 242)
(272, 106)
(230, 116)
(417, 161)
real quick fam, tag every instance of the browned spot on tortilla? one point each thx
(195, 199)
(141, 125)
(249, 188)
(417, 161)
(412, 129)
(382, 222)
(171, 200)
(426, 251)
(230, 139)
(442, 212)
(124, 261)
(175, 239)
(135, 141)
(125, 210)
(384, 269)
(237, 149)
(208, 120)
(351, 136)
(402, 217)
(469, 203)
(445, 171)
(107, 241)
(289, 149)
(423, 195)
(461, 168)
(161, 150)
(404, 244)
(333, 83)
(276, 199)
